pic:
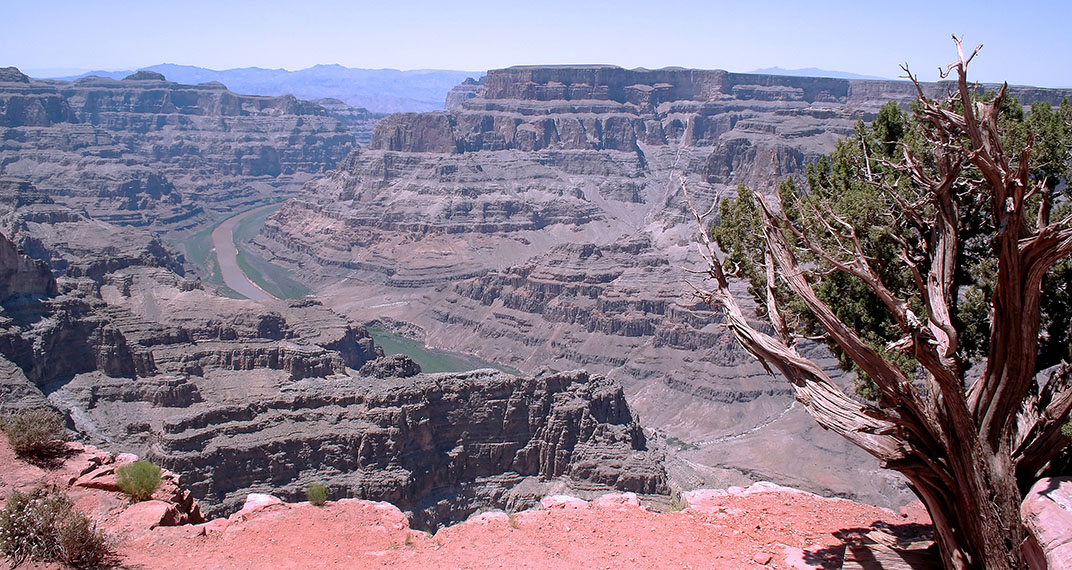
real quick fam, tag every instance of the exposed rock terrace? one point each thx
(149, 152)
(539, 221)
(239, 396)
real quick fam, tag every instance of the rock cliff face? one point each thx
(80, 295)
(238, 396)
(359, 120)
(22, 277)
(538, 221)
(71, 243)
(148, 152)
(439, 446)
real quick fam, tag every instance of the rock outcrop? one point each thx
(463, 92)
(725, 529)
(78, 295)
(148, 152)
(438, 446)
(539, 221)
(359, 120)
(1047, 513)
(239, 396)
(87, 475)
(70, 242)
(22, 278)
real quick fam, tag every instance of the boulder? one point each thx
(1047, 514)
(147, 515)
(393, 366)
(563, 502)
(255, 502)
(617, 500)
(102, 478)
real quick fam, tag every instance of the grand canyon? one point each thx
(536, 222)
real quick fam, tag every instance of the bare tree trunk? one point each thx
(964, 454)
(975, 528)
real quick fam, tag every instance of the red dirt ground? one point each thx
(763, 526)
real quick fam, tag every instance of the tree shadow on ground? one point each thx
(908, 537)
(49, 457)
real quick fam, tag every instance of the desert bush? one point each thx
(139, 479)
(34, 433)
(81, 544)
(677, 503)
(43, 525)
(316, 494)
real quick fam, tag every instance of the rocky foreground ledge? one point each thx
(761, 526)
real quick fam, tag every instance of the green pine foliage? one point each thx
(841, 201)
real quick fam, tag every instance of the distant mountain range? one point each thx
(378, 90)
(814, 72)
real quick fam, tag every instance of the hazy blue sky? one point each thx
(1026, 42)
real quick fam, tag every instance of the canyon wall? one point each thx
(438, 446)
(145, 151)
(539, 222)
(239, 396)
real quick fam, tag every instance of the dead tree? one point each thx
(956, 439)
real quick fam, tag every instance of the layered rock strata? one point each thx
(239, 396)
(723, 529)
(539, 221)
(123, 307)
(438, 446)
(73, 244)
(149, 152)
(80, 295)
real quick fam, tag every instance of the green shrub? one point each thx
(43, 526)
(34, 433)
(316, 494)
(676, 503)
(139, 479)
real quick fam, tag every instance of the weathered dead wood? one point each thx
(960, 450)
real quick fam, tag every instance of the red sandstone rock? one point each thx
(102, 478)
(147, 515)
(255, 502)
(1047, 513)
(563, 502)
(213, 527)
(728, 529)
(617, 499)
(810, 558)
(743, 529)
